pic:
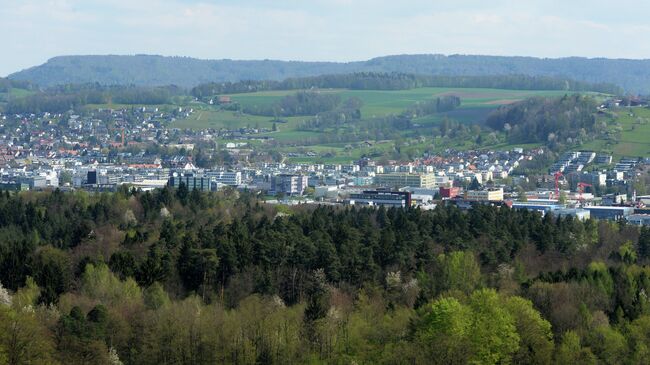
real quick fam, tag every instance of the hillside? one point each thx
(145, 70)
(13, 89)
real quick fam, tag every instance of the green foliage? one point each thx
(551, 121)
(432, 106)
(459, 271)
(229, 280)
(65, 97)
(444, 330)
(27, 296)
(300, 103)
(536, 345)
(98, 282)
(155, 296)
(479, 332)
(53, 273)
(570, 351)
(23, 339)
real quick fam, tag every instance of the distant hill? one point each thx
(146, 70)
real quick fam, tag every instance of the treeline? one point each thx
(565, 120)
(182, 277)
(401, 81)
(66, 97)
(299, 104)
(8, 84)
(346, 112)
(441, 104)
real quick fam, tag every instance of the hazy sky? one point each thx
(332, 30)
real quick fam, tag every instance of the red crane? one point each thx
(581, 189)
(557, 176)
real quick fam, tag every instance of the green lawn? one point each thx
(634, 137)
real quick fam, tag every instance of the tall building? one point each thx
(289, 184)
(92, 177)
(192, 182)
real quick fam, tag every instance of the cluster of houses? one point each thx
(92, 152)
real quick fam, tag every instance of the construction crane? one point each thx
(581, 189)
(557, 176)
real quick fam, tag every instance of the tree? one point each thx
(644, 243)
(98, 282)
(481, 331)
(494, 336)
(609, 345)
(536, 346)
(52, 272)
(570, 351)
(459, 271)
(23, 340)
(443, 331)
(198, 268)
(155, 296)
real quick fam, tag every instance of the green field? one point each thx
(475, 104)
(631, 128)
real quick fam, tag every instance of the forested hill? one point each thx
(145, 70)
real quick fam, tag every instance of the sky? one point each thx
(320, 30)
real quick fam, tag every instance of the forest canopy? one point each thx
(178, 276)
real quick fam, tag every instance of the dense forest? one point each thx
(148, 70)
(569, 119)
(181, 277)
(400, 81)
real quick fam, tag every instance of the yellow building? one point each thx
(490, 195)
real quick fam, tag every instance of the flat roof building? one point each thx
(639, 219)
(613, 213)
(192, 182)
(289, 184)
(386, 198)
(484, 195)
(399, 180)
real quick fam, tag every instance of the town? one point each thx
(104, 150)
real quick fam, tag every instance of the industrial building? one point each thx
(614, 213)
(386, 198)
(406, 179)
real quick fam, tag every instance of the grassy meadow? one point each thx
(376, 103)
(476, 104)
(629, 133)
